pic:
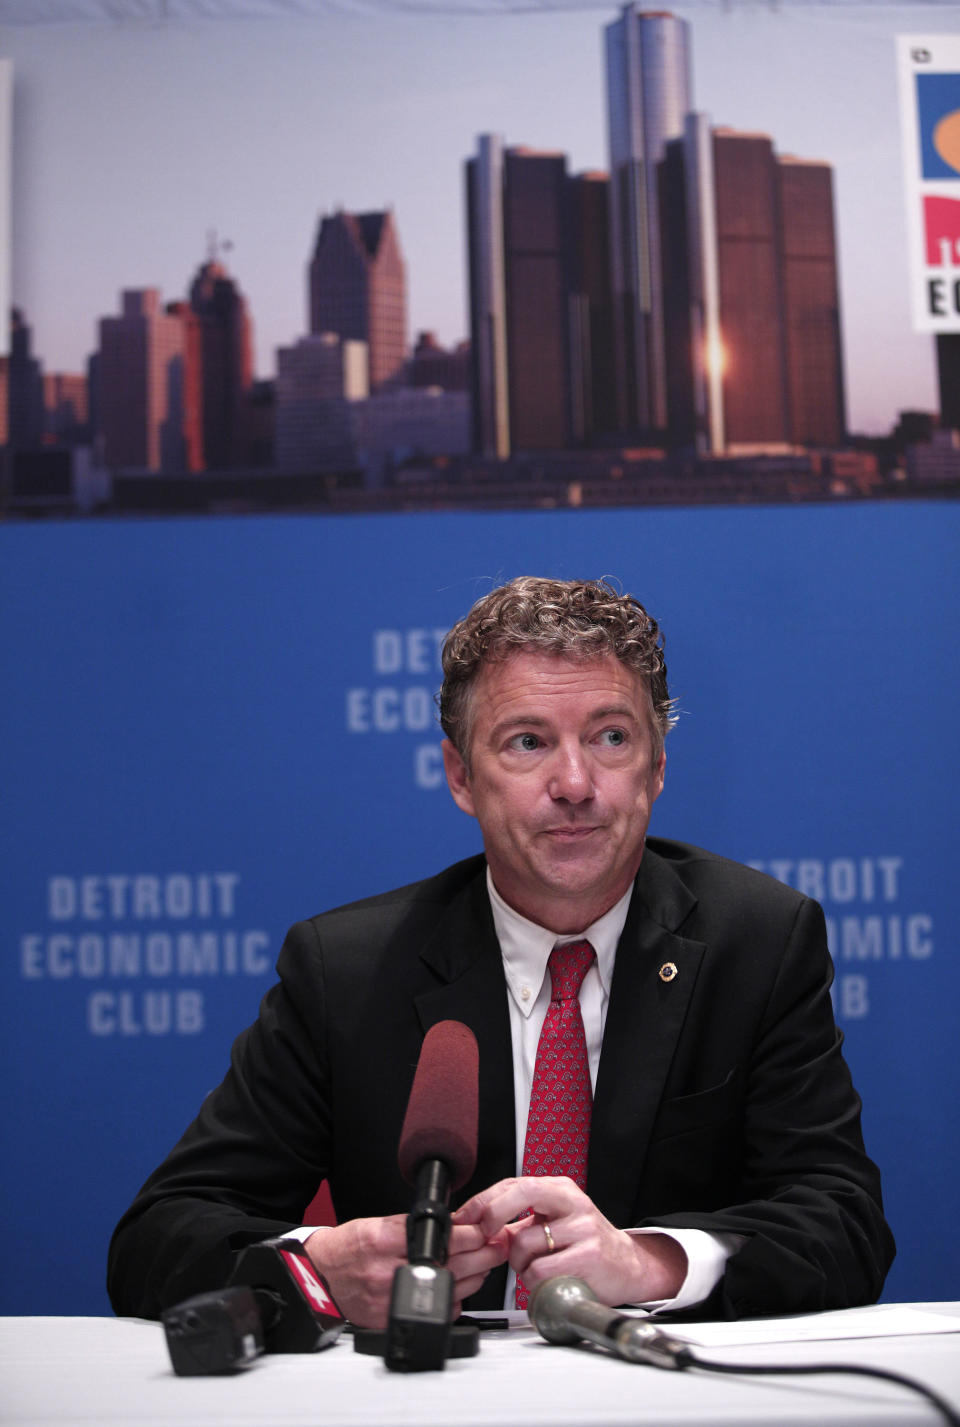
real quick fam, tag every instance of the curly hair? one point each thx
(583, 619)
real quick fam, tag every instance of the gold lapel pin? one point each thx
(668, 971)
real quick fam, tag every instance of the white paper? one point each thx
(878, 1321)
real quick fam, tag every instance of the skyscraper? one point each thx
(21, 390)
(648, 95)
(749, 262)
(535, 236)
(750, 294)
(519, 227)
(358, 288)
(225, 338)
(811, 303)
(140, 378)
(948, 378)
(593, 382)
(488, 298)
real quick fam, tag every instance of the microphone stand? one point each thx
(420, 1333)
(437, 1151)
(421, 1302)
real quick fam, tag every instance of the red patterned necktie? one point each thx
(558, 1124)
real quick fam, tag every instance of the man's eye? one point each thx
(613, 737)
(525, 742)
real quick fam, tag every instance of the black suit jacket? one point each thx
(722, 1099)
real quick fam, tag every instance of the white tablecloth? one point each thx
(64, 1372)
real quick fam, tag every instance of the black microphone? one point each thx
(216, 1332)
(437, 1154)
(274, 1302)
(565, 1310)
(298, 1310)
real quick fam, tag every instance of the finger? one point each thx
(471, 1211)
(467, 1287)
(531, 1245)
(477, 1209)
(478, 1262)
(550, 1197)
(464, 1237)
(544, 1266)
(535, 1238)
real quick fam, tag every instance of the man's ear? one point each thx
(458, 778)
(661, 765)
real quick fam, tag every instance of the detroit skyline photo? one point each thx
(134, 143)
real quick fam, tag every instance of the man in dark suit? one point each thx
(726, 1169)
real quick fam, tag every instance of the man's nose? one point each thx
(570, 778)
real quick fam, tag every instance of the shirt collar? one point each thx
(526, 947)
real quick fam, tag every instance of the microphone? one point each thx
(566, 1310)
(213, 1332)
(437, 1154)
(298, 1310)
(274, 1302)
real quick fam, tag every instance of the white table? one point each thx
(96, 1372)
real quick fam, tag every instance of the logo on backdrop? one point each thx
(938, 112)
(941, 227)
(405, 673)
(142, 946)
(867, 922)
(929, 83)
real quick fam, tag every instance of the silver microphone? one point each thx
(566, 1310)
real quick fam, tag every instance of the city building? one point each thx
(811, 303)
(434, 365)
(752, 353)
(357, 288)
(535, 238)
(223, 347)
(593, 377)
(488, 298)
(649, 92)
(948, 378)
(21, 390)
(518, 208)
(65, 408)
(540, 302)
(261, 423)
(399, 427)
(934, 463)
(141, 371)
(318, 380)
(750, 296)
(191, 387)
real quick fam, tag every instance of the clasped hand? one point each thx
(504, 1223)
(619, 1267)
(359, 1258)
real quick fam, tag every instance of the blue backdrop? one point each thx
(215, 727)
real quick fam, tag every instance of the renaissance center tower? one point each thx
(648, 95)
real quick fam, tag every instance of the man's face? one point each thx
(561, 781)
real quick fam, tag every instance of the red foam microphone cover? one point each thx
(441, 1118)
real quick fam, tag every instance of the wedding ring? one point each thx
(549, 1238)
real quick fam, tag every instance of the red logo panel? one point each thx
(941, 218)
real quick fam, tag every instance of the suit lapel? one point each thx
(644, 1020)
